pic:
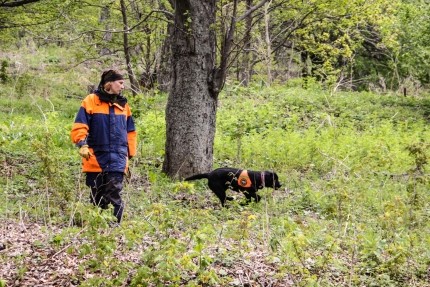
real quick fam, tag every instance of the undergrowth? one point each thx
(353, 209)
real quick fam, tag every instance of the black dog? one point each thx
(248, 181)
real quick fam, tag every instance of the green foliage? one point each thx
(353, 210)
(378, 45)
(353, 207)
(413, 30)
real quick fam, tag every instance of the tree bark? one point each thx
(246, 65)
(107, 36)
(192, 103)
(131, 76)
(268, 43)
(164, 66)
(196, 82)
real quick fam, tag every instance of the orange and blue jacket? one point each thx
(109, 131)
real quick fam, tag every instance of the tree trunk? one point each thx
(192, 103)
(107, 37)
(246, 65)
(164, 67)
(268, 43)
(132, 78)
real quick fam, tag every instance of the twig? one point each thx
(68, 245)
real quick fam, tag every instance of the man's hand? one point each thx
(127, 174)
(84, 152)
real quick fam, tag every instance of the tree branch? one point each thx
(251, 10)
(167, 13)
(16, 3)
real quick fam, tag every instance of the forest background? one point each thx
(332, 95)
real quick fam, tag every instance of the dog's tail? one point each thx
(198, 176)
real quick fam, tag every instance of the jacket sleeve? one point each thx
(80, 127)
(131, 135)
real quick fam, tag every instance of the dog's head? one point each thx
(271, 180)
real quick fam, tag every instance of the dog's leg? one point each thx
(252, 194)
(248, 199)
(248, 196)
(220, 192)
(257, 198)
(222, 196)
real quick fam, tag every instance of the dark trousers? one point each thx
(106, 189)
